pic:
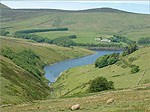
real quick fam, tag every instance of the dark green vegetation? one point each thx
(100, 84)
(134, 69)
(26, 59)
(3, 32)
(22, 68)
(106, 60)
(110, 59)
(117, 38)
(40, 30)
(18, 85)
(144, 40)
(129, 49)
(33, 37)
(25, 34)
(63, 41)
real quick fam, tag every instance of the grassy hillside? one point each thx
(128, 100)
(48, 54)
(87, 24)
(18, 85)
(76, 80)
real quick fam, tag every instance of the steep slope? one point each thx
(76, 80)
(18, 85)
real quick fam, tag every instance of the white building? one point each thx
(97, 39)
(105, 40)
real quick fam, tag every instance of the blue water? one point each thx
(53, 71)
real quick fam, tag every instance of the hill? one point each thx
(86, 24)
(2, 6)
(18, 85)
(22, 86)
(76, 80)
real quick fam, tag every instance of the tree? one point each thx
(100, 84)
(130, 49)
(106, 60)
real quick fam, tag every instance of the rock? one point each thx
(110, 101)
(75, 107)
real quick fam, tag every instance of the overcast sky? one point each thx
(131, 6)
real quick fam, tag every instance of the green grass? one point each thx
(19, 86)
(49, 54)
(128, 100)
(86, 25)
(76, 80)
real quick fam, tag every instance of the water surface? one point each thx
(53, 71)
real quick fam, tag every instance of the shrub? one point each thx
(72, 36)
(135, 69)
(100, 84)
(4, 33)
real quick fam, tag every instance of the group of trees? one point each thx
(63, 41)
(33, 37)
(129, 49)
(26, 59)
(144, 40)
(117, 38)
(99, 45)
(106, 60)
(60, 41)
(41, 30)
(25, 34)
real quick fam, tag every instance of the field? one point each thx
(135, 99)
(87, 25)
(75, 80)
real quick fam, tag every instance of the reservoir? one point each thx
(53, 71)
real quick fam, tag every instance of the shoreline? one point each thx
(105, 48)
(49, 83)
(91, 48)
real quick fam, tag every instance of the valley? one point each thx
(37, 45)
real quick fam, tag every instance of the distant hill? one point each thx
(86, 24)
(2, 6)
(109, 10)
(105, 9)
